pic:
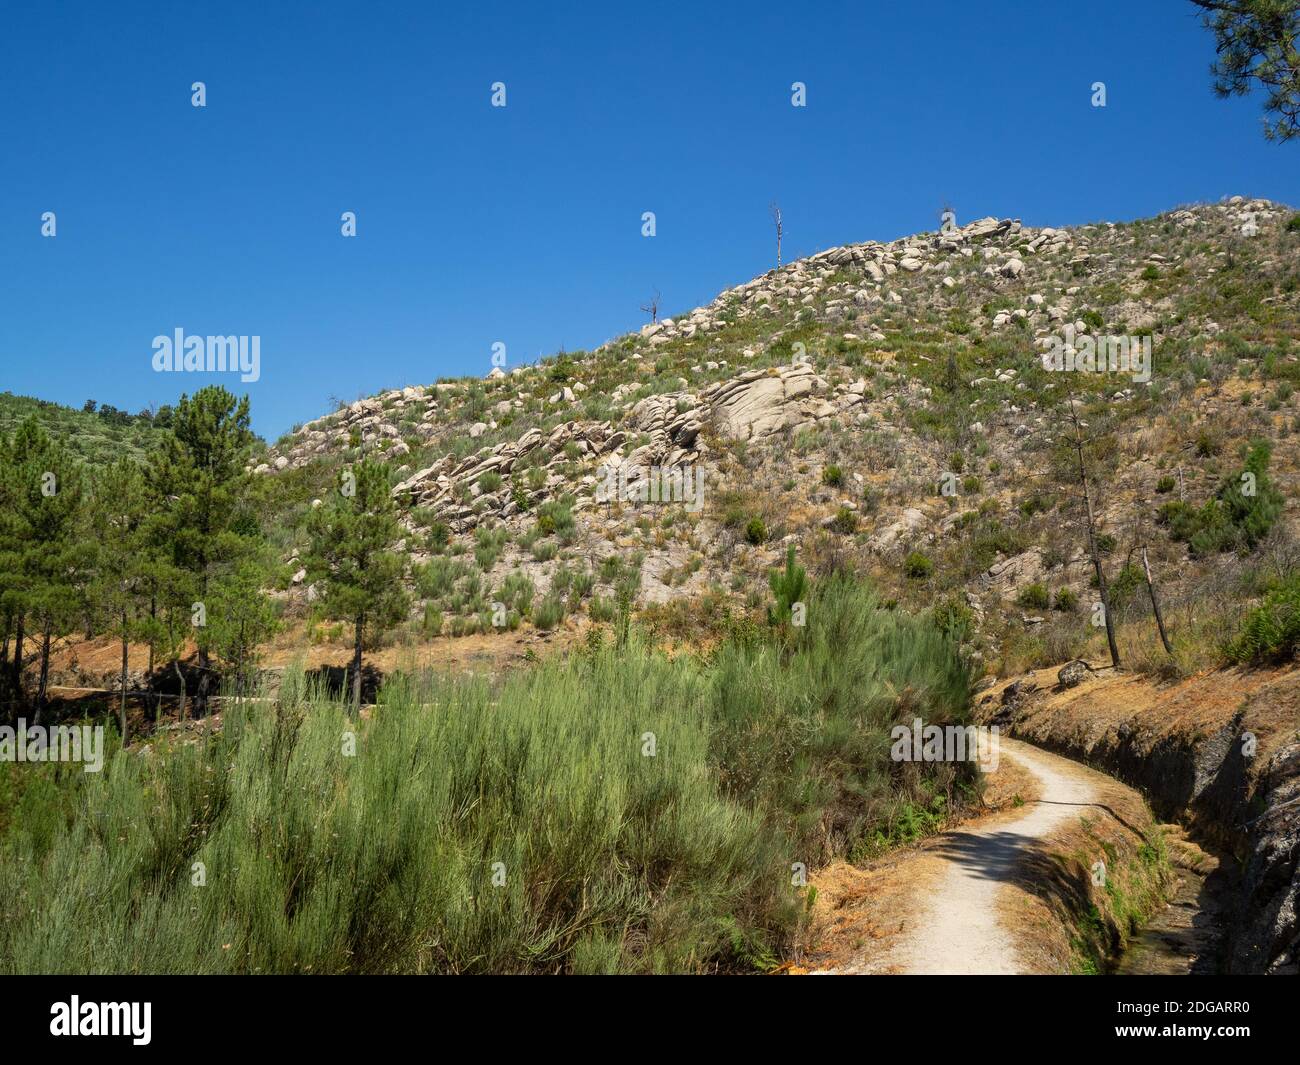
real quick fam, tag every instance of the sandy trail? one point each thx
(959, 929)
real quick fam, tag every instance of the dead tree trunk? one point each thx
(776, 220)
(1092, 538)
(1155, 602)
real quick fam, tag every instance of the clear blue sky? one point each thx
(523, 224)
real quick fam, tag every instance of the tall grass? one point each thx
(618, 811)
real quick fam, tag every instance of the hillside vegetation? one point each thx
(98, 436)
(885, 404)
(618, 811)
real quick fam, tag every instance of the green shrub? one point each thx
(1166, 484)
(845, 521)
(549, 612)
(613, 860)
(516, 592)
(1065, 600)
(918, 565)
(832, 476)
(1034, 596)
(789, 586)
(1271, 631)
(756, 531)
(432, 620)
(602, 608)
(1239, 516)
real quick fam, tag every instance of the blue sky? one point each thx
(523, 224)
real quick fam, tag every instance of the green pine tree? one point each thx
(45, 557)
(789, 586)
(351, 558)
(205, 526)
(117, 514)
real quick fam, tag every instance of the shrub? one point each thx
(1065, 600)
(918, 565)
(1165, 485)
(789, 586)
(833, 476)
(549, 612)
(1240, 515)
(555, 517)
(1271, 631)
(954, 618)
(516, 592)
(1034, 596)
(1207, 444)
(845, 521)
(602, 608)
(756, 531)
(384, 863)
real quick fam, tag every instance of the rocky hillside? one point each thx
(884, 405)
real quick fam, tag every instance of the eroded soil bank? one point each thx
(1219, 753)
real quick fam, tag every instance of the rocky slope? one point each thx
(884, 404)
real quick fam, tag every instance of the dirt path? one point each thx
(966, 922)
(962, 932)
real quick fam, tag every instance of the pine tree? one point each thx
(1257, 45)
(205, 527)
(351, 557)
(117, 523)
(45, 556)
(244, 617)
(789, 587)
(12, 605)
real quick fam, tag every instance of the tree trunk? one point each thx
(239, 664)
(180, 675)
(16, 667)
(45, 670)
(356, 667)
(1092, 541)
(201, 697)
(1155, 602)
(125, 646)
